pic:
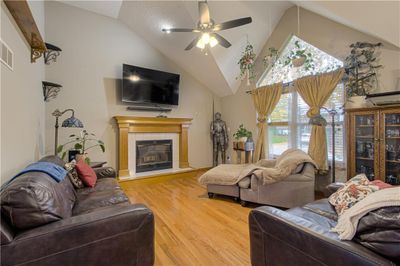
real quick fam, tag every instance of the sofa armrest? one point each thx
(333, 187)
(102, 172)
(115, 235)
(280, 238)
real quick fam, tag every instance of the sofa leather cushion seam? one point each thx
(313, 235)
(87, 244)
(74, 226)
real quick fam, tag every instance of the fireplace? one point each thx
(153, 155)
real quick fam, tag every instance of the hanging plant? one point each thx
(247, 64)
(299, 57)
(271, 58)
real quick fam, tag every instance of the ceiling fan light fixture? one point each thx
(213, 41)
(200, 44)
(205, 38)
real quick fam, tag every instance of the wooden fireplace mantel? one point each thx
(134, 124)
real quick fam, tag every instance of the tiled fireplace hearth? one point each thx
(149, 146)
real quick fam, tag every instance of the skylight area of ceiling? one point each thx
(282, 71)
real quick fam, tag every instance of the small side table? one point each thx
(243, 152)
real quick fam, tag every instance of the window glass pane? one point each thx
(283, 72)
(303, 136)
(281, 111)
(278, 140)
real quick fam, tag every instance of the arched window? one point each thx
(288, 123)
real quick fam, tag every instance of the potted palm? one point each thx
(82, 143)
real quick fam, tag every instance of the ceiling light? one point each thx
(205, 38)
(200, 44)
(134, 78)
(213, 41)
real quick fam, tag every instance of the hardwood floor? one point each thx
(190, 228)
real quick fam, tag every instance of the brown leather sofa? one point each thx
(88, 226)
(301, 236)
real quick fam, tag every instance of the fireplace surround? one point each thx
(131, 125)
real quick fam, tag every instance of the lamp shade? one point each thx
(72, 122)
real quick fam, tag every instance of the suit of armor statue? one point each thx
(220, 138)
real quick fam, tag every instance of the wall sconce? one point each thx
(51, 54)
(50, 90)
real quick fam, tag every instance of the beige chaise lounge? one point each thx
(296, 188)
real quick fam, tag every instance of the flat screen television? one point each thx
(150, 87)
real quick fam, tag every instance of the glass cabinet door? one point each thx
(365, 140)
(390, 146)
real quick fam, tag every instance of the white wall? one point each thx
(90, 67)
(325, 34)
(22, 105)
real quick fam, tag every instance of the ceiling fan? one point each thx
(208, 29)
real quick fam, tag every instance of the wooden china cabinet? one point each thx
(373, 143)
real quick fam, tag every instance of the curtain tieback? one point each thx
(317, 120)
(314, 111)
(262, 119)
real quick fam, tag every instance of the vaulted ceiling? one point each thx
(218, 70)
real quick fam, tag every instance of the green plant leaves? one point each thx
(78, 146)
(60, 148)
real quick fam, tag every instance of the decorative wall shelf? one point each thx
(50, 90)
(23, 17)
(51, 54)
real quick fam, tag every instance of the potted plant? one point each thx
(242, 134)
(360, 72)
(271, 58)
(299, 57)
(82, 143)
(247, 64)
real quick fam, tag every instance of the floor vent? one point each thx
(7, 56)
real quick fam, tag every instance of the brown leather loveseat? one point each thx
(48, 223)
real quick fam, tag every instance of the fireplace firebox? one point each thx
(153, 155)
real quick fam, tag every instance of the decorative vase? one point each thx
(248, 77)
(357, 102)
(298, 61)
(243, 139)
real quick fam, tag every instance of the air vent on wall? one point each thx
(7, 56)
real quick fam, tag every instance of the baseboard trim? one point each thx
(164, 177)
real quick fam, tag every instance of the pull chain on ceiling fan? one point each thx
(208, 29)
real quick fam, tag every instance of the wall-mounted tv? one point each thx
(147, 86)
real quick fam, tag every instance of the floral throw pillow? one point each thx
(73, 174)
(352, 192)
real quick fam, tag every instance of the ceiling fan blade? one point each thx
(204, 13)
(222, 41)
(193, 43)
(232, 24)
(180, 30)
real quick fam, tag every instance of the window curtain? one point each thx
(315, 91)
(265, 99)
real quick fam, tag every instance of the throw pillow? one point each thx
(86, 173)
(381, 184)
(352, 192)
(73, 174)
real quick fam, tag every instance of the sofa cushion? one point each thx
(35, 199)
(379, 231)
(91, 201)
(245, 182)
(101, 185)
(352, 192)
